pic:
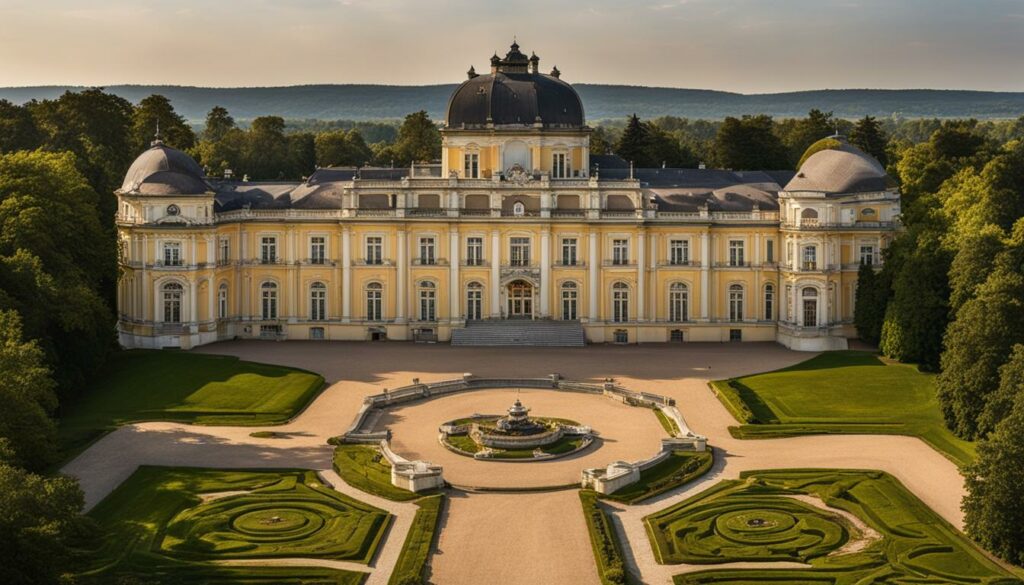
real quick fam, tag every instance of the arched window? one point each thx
(769, 302)
(428, 301)
(474, 301)
(374, 301)
(810, 258)
(269, 300)
(570, 299)
(810, 301)
(736, 302)
(678, 302)
(809, 217)
(620, 302)
(318, 301)
(222, 301)
(172, 293)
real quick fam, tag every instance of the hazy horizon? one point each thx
(741, 46)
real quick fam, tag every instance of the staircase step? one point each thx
(513, 332)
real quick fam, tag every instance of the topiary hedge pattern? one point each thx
(607, 551)
(756, 519)
(412, 562)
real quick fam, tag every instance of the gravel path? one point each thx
(527, 537)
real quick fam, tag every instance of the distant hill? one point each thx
(364, 102)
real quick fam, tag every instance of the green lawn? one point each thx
(842, 392)
(679, 468)
(158, 528)
(753, 519)
(412, 560)
(142, 385)
(364, 468)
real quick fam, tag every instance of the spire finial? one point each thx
(156, 137)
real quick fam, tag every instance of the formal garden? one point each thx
(187, 525)
(847, 526)
(841, 392)
(142, 385)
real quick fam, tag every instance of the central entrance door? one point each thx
(520, 300)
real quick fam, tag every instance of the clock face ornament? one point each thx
(173, 209)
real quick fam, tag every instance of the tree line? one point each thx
(950, 297)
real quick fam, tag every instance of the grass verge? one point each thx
(681, 467)
(668, 424)
(841, 392)
(365, 468)
(412, 561)
(148, 385)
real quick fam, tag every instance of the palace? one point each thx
(518, 221)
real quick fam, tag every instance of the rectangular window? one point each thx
(472, 166)
(769, 251)
(679, 252)
(620, 252)
(375, 302)
(519, 249)
(316, 332)
(172, 254)
(560, 166)
(569, 251)
(867, 255)
(427, 255)
(374, 250)
(225, 250)
(810, 258)
(268, 250)
(317, 249)
(736, 253)
(474, 251)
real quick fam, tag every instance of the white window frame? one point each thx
(471, 165)
(172, 255)
(314, 257)
(519, 251)
(427, 300)
(570, 251)
(682, 246)
(373, 294)
(427, 250)
(373, 251)
(736, 294)
(474, 301)
(268, 249)
(474, 250)
(317, 301)
(620, 251)
(737, 253)
(678, 302)
(222, 301)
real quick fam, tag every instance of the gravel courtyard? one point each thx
(517, 538)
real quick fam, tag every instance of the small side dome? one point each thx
(833, 165)
(163, 170)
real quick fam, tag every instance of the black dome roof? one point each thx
(516, 94)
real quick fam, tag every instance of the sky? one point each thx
(747, 46)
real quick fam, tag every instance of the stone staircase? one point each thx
(516, 332)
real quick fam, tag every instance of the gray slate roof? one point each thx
(843, 169)
(163, 170)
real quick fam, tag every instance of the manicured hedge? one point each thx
(365, 468)
(412, 562)
(607, 550)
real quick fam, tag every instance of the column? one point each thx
(545, 272)
(495, 275)
(705, 275)
(652, 307)
(195, 259)
(594, 291)
(400, 266)
(641, 287)
(193, 308)
(454, 286)
(211, 293)
(291, 291)
(346, 274)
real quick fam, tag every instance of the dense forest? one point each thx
(601, 102)
(949, 297)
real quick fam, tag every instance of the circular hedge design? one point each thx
(751, 528)
(300, 521)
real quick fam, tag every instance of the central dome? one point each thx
(515, 93)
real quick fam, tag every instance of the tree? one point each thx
(155, 112)
(872, 298)
(662, 149)
(748, 143)
(26, 392)
(18, 131)
(601, 141)
(993, 508)
(1011, 386)
(218, 123)
(868, 136)
(301, 155)
(266, 150)
(40, 523)
(977, 343)
(798, 135)
(55, 258)
(341, 148)
(632, 145)
(418, 139)
(972, 264)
